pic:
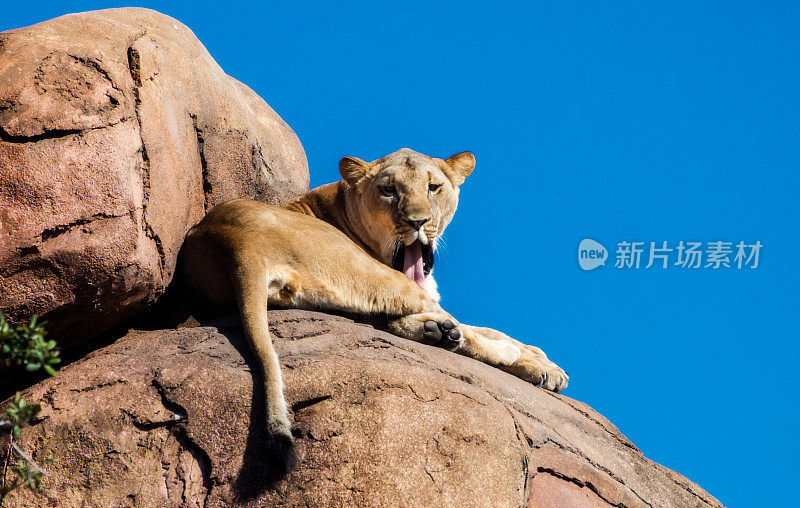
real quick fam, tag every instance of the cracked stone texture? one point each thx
(117, 132)
(379, 421)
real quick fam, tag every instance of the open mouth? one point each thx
(415, 260)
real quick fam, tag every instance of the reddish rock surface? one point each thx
(117, 132)
(380, 421)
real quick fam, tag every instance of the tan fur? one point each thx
(331, 249)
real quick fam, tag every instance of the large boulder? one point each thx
(170, 418)
(117, 132)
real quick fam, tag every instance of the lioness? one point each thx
(363, 245)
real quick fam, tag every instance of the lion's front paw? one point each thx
(534, 366)
(555, 378)
(445, 333)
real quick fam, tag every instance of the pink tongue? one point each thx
(412, 263)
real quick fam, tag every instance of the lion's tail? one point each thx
(252, 291)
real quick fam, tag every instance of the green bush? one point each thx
(23, 346)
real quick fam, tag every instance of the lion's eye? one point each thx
(434, 187)
(387, 190)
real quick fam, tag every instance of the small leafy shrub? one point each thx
(19, 415)
(23, 346)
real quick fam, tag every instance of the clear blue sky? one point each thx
(646, 121)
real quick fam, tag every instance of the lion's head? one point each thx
(404, 202)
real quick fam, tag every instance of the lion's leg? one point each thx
(360, 285)
(254, 288)
(531, 365)
(379, 291)
(418, 317)
(412, 313)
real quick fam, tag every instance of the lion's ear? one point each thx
(353, 169)
(461, 166)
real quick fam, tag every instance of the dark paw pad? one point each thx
(445, 334)
(281, 451)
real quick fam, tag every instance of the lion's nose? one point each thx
(416, 224)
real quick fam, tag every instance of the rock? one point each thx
(117, 132)
(169, 418)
